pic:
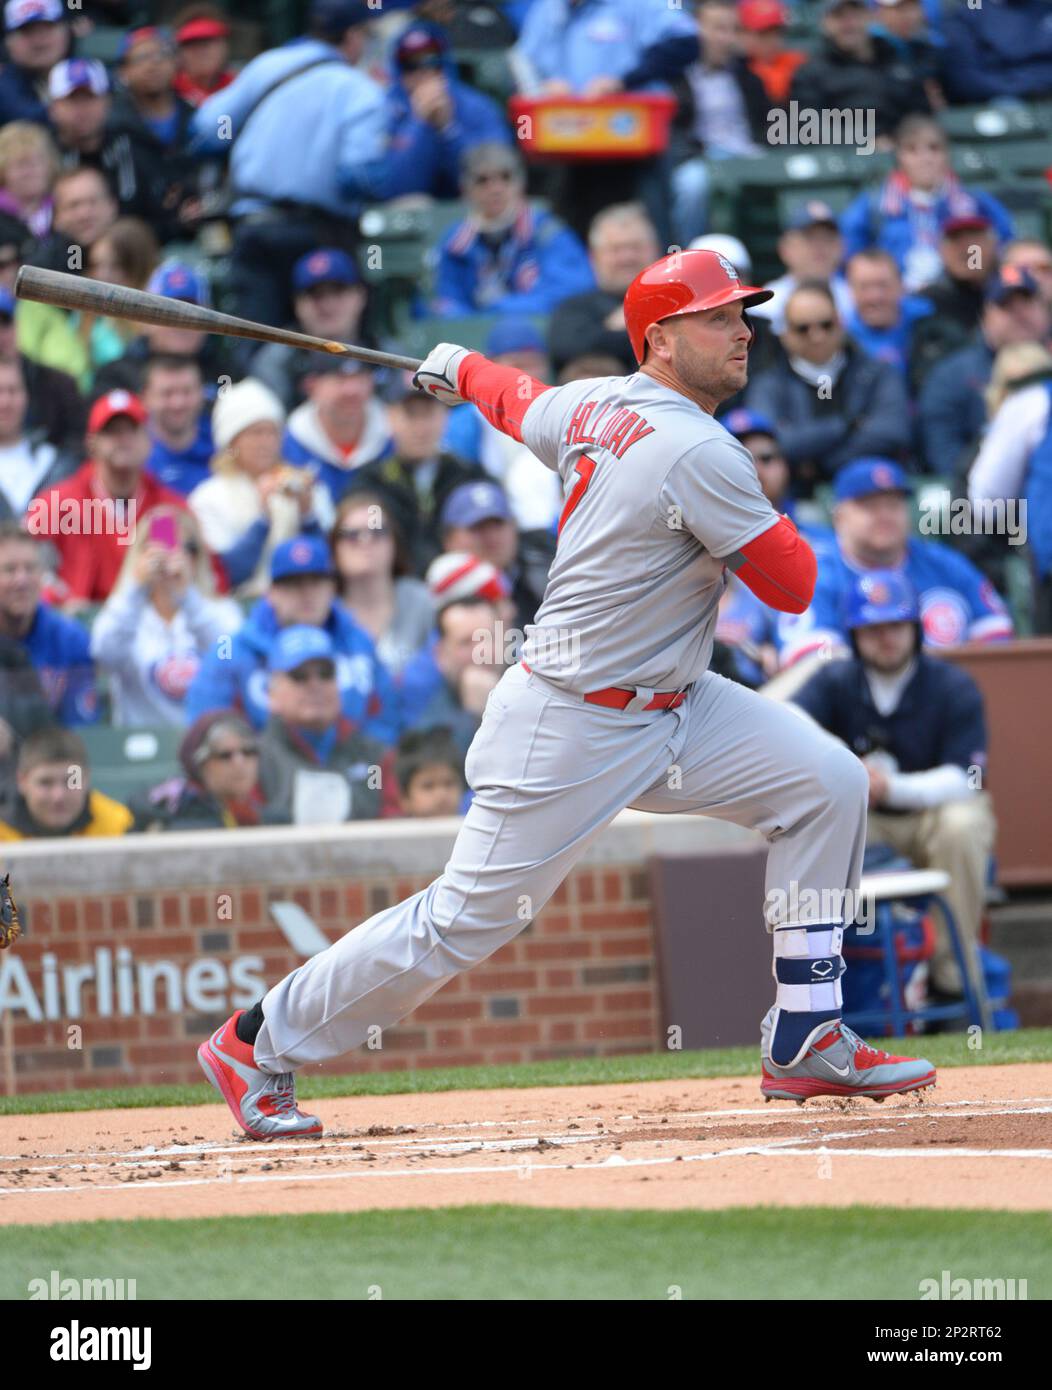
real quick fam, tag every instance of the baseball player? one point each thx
(611, 706)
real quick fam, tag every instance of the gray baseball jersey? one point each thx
(657, 497)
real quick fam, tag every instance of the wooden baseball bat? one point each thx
(114, 301)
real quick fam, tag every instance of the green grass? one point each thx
(520, 1252)
(945, 1050)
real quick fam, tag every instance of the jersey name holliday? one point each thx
(657, 496)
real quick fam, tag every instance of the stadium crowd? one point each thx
(283, 564)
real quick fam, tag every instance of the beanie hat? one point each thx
(243, 405)
(456, 577)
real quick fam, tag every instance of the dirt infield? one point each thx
(982, 1138)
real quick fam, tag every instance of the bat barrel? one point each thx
(115, 301)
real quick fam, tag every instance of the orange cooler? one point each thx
(623, 126)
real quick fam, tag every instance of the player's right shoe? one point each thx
(836, 1062)
(262, 1102)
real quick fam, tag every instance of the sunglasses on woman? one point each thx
(359, 534)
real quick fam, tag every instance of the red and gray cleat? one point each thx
(836, 1062)
(262, 1102)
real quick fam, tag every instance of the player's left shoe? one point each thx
(836, 1062)
(263, 1103)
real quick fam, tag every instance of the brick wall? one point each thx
(130, 978)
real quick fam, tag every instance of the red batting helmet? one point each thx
(682, 283)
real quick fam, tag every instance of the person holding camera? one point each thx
(160, 620)
(254, 500)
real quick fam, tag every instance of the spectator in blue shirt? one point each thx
(433, 118)
(180, 430)
(340, 426)
(871, 522)
(908, 211)
(881, 318)
(37, 35)
(917, 724)
(57, 646)
(329, 301)
(306, 134)
(1002, 48)
(594, 47)
(505, 258)
(171, 280)
(302, 592)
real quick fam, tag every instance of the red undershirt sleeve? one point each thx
(502, 394)
(779, 567)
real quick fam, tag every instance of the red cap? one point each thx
(112, 405)
(757, 15)
(202, 29)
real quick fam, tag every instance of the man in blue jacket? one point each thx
(57, 646)
(305, 132)
(505, 258)
(433, 118)
(37, 35)
(1002, 48)
(302, 592)
(873, 531)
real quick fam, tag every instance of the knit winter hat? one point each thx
(458, 577)
(240, 406)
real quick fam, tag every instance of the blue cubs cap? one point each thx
(471, 503)
(814, 213)
(295, 645)
(1009, 280)
(513, 335)
(880, 596)
(325, 267)
(741, 422)
(421, 45)
(177, 280)
(19, 13)
(864, 477)
(301, 555)
(77, 75)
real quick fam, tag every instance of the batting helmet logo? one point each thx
(731, 273)
(683, 283)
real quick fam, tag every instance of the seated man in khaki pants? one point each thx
(917, 724)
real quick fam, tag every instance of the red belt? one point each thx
(617, 697)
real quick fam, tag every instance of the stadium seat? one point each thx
(487, 70)
(418, 338)
(994, 123)
(103, 42)
(125, 762)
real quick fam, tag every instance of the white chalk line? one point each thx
(615, 1160)
(782, 1115)
(780, 1148)
(310, 1151)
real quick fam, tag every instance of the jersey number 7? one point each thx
(584, 468)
